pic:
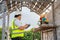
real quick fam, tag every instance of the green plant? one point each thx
(30, 36)
(0, 33)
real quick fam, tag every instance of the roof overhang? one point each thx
(34, 5)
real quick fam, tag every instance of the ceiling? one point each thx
(36, 6)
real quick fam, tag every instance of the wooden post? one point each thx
(41, 35)
(8, 26)
(55, 34)
(4, 21)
